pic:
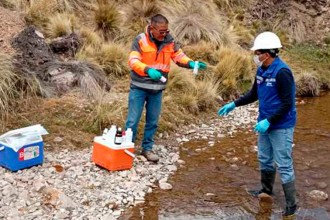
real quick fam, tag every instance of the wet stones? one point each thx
(318, 195)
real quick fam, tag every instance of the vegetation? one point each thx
(107, 28)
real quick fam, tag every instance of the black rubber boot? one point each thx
(267, 183)
(290, 198)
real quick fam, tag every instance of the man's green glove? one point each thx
(154, 74)
(262, 126)
(226, 109)
(201, 65)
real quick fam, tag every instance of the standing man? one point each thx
(149, 61)
(274, 87)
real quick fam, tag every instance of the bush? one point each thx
(7, 83)
(191, 23)
(203, 51)
(107, 18)
(38, 12)
(233, 70)
(111, 57)
(137, 17)
(90, 37)
(308, 84)
(60, 25)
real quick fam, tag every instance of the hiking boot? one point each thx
(150, 156)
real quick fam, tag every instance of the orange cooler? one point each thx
(111, 156)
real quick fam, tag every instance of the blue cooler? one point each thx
(21, 150)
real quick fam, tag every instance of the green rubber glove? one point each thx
(201, 65)
(226, 109)
(262, 126)
(154, 74)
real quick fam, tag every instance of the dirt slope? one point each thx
(11, 24)
(305, 20)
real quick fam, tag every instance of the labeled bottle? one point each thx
(129, 135)
(119, 136)
(195, 71)
(163, 79)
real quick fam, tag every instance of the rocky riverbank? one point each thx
(69, 186)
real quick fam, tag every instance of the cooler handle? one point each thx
(2, 148)
(129, 153)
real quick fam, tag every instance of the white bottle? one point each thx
(195, 71)
(105, 132)
(128, 135)
(163, 79)
(112, 133)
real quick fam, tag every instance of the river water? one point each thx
(213, 184)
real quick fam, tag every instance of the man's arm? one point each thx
(134, 59)
(285, 88)
(249, 97)
(179, 57)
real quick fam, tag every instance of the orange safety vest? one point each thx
(145, 55)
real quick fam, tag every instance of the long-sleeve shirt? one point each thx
(284, 82)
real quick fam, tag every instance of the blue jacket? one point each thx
(269, 101)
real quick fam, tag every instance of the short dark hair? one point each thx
(159, 19)
(272, 52)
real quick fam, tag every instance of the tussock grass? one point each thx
(7, 83)
(191, 23)
(107, 18)
(104, 114)
(191, 95)
(233, 70)
(204, 51)
(60, 24)
(137, 16)
(39, 11)
(231, 4)
(308, 84)
(90, 37)
(111, 57)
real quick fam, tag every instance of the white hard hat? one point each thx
(266, 40)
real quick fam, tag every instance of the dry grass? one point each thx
(107, 18)
(231, 4)
(90, 37)
(204, 51)
(39, 11)
(137, 16)
(7, 84)
(104, 114)
(233, 70)
(308, 84)
(191, 23)
(111, 57)
(60, 24)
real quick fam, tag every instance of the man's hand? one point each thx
(226, 109)
(201, 65)
(262, 126)
(154, 74)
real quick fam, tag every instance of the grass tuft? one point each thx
(107, 18)
(233, 70)
(7, 83)
(191, 23)
(60, 24)
(110, 56)
(308, 84)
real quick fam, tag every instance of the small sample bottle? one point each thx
(163, 79)
(195, 71)
(119, 136)
(111, 133)
(129, 136)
